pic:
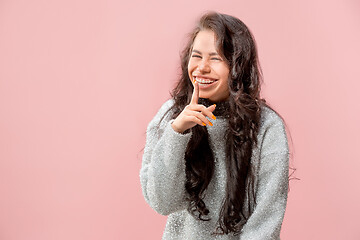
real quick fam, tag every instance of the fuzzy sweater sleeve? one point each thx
(271, 196)
(162, 173)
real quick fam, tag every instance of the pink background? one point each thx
(80, 80)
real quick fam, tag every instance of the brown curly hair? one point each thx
(237, 46)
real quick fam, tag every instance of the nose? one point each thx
(204, 66)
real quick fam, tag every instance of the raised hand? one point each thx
(193, 114)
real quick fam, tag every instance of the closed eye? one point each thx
(198, 56)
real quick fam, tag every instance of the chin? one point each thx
(204, 96)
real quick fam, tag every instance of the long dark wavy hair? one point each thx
(235, 43)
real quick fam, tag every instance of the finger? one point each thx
(195, 96)
(194, 119)
(202, 118)
(211, 108)
(205, 111)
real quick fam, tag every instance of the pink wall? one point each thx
(80, 80)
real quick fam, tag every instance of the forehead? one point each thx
(205, 41)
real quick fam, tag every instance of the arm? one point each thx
(162, 174)
(271, 196)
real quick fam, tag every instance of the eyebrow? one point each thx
(211, 54)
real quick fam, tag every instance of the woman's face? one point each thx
(208, 68)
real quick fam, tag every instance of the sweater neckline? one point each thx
(222, 107)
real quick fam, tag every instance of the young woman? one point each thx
(216, 158)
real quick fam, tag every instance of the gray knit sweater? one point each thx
(162, 177)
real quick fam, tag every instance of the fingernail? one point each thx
(213, 117)
(215, 105)
(204, 124)
(210, 124)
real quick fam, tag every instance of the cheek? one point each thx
(223, 73)
(190, 65)
(226, 73)
(190, 70)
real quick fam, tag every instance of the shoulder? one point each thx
(166, 106)
(272, 133)
(271, 121)
(163, 110)
(269, 117)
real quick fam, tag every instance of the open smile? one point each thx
(205, 82)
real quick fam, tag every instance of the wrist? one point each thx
(176, 128)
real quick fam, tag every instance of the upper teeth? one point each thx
(203, 80)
